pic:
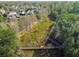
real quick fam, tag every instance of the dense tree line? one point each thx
(57, 8)
(9, 44)
(66, 18)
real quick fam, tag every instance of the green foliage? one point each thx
(2, 19)
(66, 25)
(36, 35)
(57, 8)
(67, 22)
(21, 21)
(2, 5)
(70, 52)
(8, 43)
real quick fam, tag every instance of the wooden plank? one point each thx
(37, 48)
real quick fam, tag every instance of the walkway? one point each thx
(38, 48)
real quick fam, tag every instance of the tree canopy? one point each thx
(8, 43)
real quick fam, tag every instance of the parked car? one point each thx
(12, 15)
(22, 12)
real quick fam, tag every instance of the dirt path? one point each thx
(24, 31)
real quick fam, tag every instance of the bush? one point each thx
(66, 25)
(2, 19)
(36, 35)
(8, 43)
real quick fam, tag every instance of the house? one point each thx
(35, 8)
(29, 11)
(12, 15)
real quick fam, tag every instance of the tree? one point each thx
(53, 13)
(8, 43)
(66, 24)
(2, 19)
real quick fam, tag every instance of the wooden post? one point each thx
(75, 39)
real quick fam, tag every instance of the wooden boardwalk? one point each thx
(38, 48)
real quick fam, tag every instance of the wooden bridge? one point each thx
(38, 48)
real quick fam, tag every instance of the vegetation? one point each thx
(26, 21)
(66, 21)
(36, 35)
(2, 19)
(8, 43)
(65, 25)
(66, 17)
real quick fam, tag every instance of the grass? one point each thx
(35, 36)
